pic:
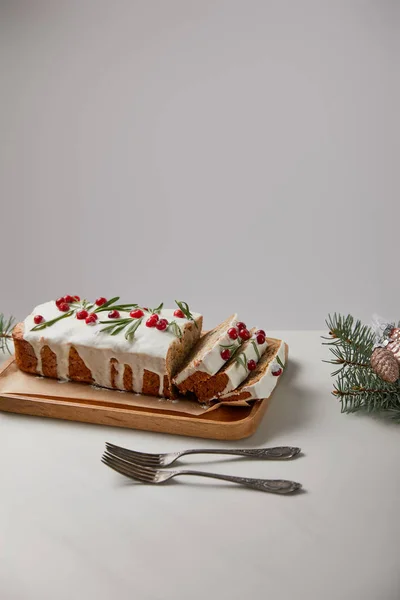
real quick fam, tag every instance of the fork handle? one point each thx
(278, 453)
(276, 486)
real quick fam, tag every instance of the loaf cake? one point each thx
(261, 382)
(236, 370)
(112, 345)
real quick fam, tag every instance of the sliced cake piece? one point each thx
(262, 381)
(211, 352)
(232, 373)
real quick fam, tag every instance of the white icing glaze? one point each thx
(212, 360)
(236, 372)
(264, 386)
(146, 351)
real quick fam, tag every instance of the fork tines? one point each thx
(151, 460)
(129, 469)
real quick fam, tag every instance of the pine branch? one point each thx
(6, 327)
(357, 386)
(346, 332)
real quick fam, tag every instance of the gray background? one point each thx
(240, 155)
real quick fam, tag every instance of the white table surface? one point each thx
(70, 528)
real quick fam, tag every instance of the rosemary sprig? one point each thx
(156, 311)
(241, 359)
(6, 327)
(184, 306)
(112, 304)
(254, 343)
(176, 330)
(280, 363)
(119, 325)
(231, 347)
(52, 321)
(130, 332)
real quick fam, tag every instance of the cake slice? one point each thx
(109, 345)
(229, 377)
(211, 352)
(261, 382)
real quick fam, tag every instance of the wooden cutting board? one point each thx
(223, 423)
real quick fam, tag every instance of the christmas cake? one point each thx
(105, 343)
(236, 370)
(261, 381)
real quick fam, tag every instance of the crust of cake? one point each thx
(26, 360)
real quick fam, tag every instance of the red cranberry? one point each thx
(260, 338)
(64, 307)
(277, 372)
(178, 313)
(77, 298)
(152, 321)
(91, 319)
(82, 314)
(261, 331)
(240, 325)
(244, 334)
(251, 365)
(68, 299)
(60, 301)
(162, 324)
(136, 314)
(233, 333)
(226, 354)
(113, 314)
(38, 319)
(100, 301)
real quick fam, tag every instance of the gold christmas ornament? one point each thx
(385, 365)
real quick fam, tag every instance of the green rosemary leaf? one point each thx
(156, 311)
(118, 329)
(83, 305)
(184, 306)
(176, 330)
(231, 347)
(280, 363)
(241, 359)
(6, 327)
(52, 321)
(113, 322)
(130, 332)
(254, 343)
(111, 301)
(120, 307)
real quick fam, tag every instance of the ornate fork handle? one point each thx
(275, 486)
(278, 453)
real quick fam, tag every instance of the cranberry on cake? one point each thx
(112, 345)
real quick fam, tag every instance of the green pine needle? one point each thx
(6, 327)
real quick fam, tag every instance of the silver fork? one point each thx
(149, 475)
(165, 460)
